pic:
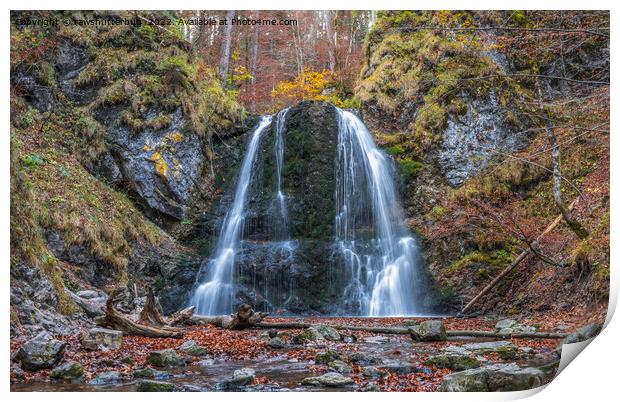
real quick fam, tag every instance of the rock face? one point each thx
(166, 358)
(34, 302)
(160, 166)
(331, 379)
(498, 377)
(41, 352)
(472, 139)
(101, 339)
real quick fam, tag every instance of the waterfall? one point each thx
(215, 295)
(279, 156)
(373, 243)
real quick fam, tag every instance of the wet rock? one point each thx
(331, 379)
(429, 331)
(70, 370)
(340, 367)
(403, 368)
(148, 372)
(326, 357)
(364, 359)
(193, 349)
(329, 333)
(101, 339)
(240, 378)
(276, 343)
(309, 335)
(373, 372)
(17, 373)
(376, 339)
(109, 377)
(498, 377)
(41, 352)
(505, 349)
(370, 387)
(454, 361)
(206, 362)
(165, 358)
(584, 333)
(349, 338)
(154, 386)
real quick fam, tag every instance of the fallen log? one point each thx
(516, 261)
(116, 320)
(244, 318)
(151, 312)
(180, 317)
(386, 330)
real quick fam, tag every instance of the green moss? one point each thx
(395, 150)
(408, 167)
(490, 261)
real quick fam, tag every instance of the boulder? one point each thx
(372, 372)
(505, 349)
(429, 331)
(331, 379)
(109, 377)
(193, 349)
(41, 352)
(340, 367)
(154, 386)
(370, 387)
(165, 358)
(309, 335)
(498, 377)
(584, 333)
(88, 294)
(329, 333)
(454, 361)
(326, 357)
(101, 339)
(509, 326)
(276, 343)
(364, 359)
(148, 372)
(240, 378)
(70, 370)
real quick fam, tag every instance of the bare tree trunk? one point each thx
(254, 61)
(225, 55)
(575, 226)
(330, 41)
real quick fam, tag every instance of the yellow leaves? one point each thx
(161, 167)
(307, 85)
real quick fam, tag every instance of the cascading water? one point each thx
(215, 294)
(373, 243)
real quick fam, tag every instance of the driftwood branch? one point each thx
(116, 320)
(244, 318)
(516, 261)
